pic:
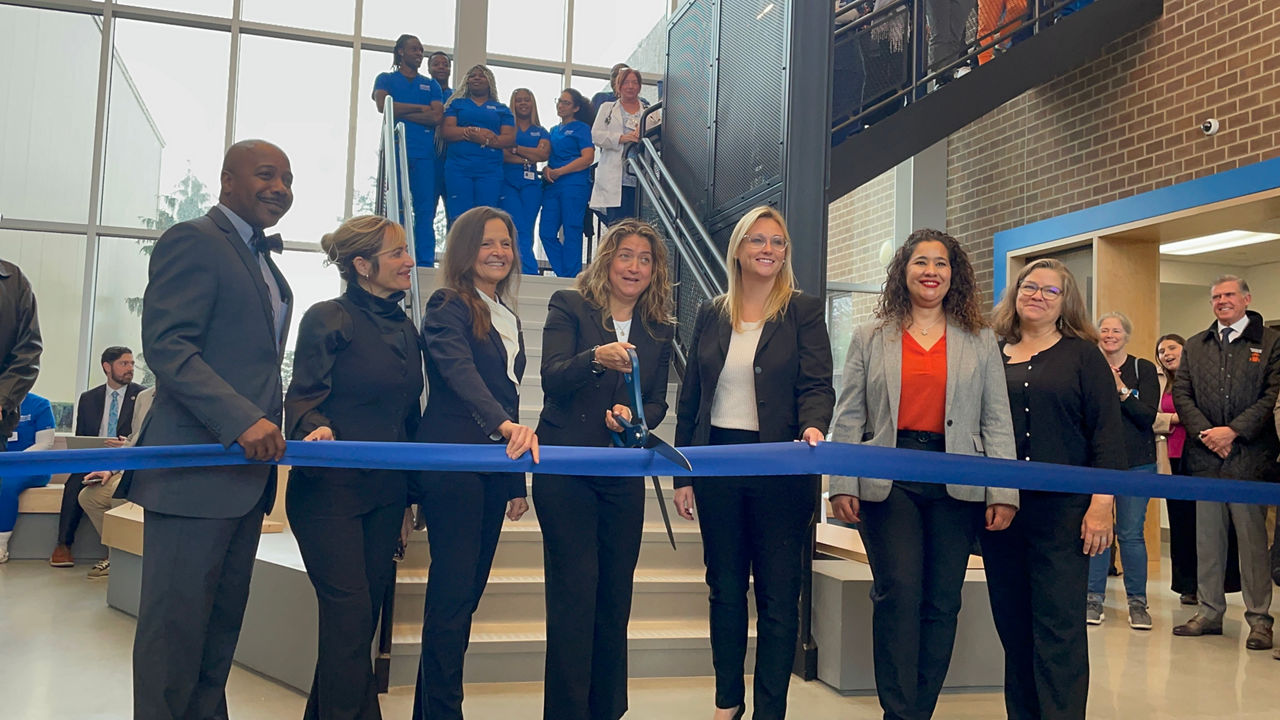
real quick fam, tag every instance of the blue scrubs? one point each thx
(420, 145)
(564, 202)
(35, 414)
(522, 196)
(441, 195)
(472, 172)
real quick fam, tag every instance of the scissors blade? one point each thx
(665, 450)
(662, 504)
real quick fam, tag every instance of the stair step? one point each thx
(520, 547)
(406, 637)
(514, 596)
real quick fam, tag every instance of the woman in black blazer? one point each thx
(591, 526)
(759, 371)
(357, 375)
(475, 359)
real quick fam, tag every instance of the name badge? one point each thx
(13, 437)
(1255, 355)
(528, 172)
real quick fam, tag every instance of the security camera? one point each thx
(1210, 126)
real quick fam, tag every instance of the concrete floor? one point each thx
(64, 655)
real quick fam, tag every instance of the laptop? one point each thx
(78, 442)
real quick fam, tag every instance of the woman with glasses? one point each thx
(1136, 385)
(759, 370)
(925, 374)
(567, 184)
(357, 375)
(477, 128)
(1062, 397)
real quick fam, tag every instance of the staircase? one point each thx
(668, 633)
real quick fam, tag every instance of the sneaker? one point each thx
(101, 570)
(1093, 613)
(1139, 618)
(4, 556)
(62, 557)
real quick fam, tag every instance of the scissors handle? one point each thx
(635, 433)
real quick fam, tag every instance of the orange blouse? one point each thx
(923, 403)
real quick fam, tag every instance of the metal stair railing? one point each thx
(699, 271)
(906, 19)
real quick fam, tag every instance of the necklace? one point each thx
(925, 330)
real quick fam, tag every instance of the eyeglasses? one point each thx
(758, 241)
(1048, 292)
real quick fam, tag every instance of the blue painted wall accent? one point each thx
(1246, 180)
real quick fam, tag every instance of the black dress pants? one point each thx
(591, 532)
(195, 584)
(349, 563)
(1182, 545)
(70, 513)
(754, 527)
(1037, 577)
(464, 514)
(917, 541)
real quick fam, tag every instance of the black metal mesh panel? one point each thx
(686, 101)
(748, 151)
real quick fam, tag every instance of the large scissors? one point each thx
(635, 434)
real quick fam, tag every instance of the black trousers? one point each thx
(349, 563)
(1037, 576)
(70, 513)
(917, 541)
(754, 527)
(591, 532)
(464, 514)
(195, 583)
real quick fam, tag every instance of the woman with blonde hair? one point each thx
(521, 186)
(477, 127)
(591, 526)
(924, 374)
(357, 375)
(475, 360)
(1062, 396)
(759, 370)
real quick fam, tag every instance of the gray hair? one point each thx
(1124, 322)
(1244, 285)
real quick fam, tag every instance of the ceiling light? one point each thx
(1217, 241)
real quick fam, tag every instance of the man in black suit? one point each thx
(214, 320)
(20, 345)
(105, 411)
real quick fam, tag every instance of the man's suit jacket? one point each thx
(792, 365)
(93, 402)
(209, 336)
(977, 409)
(574, 397)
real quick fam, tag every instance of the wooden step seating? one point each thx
(36, 532)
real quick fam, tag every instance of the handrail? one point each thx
(921, 75)
(662, 186)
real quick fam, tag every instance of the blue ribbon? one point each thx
(709, 461)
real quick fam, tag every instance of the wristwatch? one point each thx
(596, 367)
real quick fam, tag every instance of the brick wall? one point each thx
(1124, 124)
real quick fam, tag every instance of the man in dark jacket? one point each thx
(20, 345)
(1225, 394)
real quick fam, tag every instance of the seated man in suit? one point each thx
(97, 495)
(105, 411)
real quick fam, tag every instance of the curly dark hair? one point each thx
(963, 301)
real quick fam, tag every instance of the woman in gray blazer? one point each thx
(925, 374)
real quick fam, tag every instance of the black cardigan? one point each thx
(1139, 410)
(1065, 407)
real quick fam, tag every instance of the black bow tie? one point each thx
(267, 243)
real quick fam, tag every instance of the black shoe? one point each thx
(742, 710)
(1188, 599)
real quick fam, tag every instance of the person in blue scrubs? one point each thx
(521, 184)
(418, 102)
(34, 432)
(477, 128)
(568, 183)
(439, 67)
